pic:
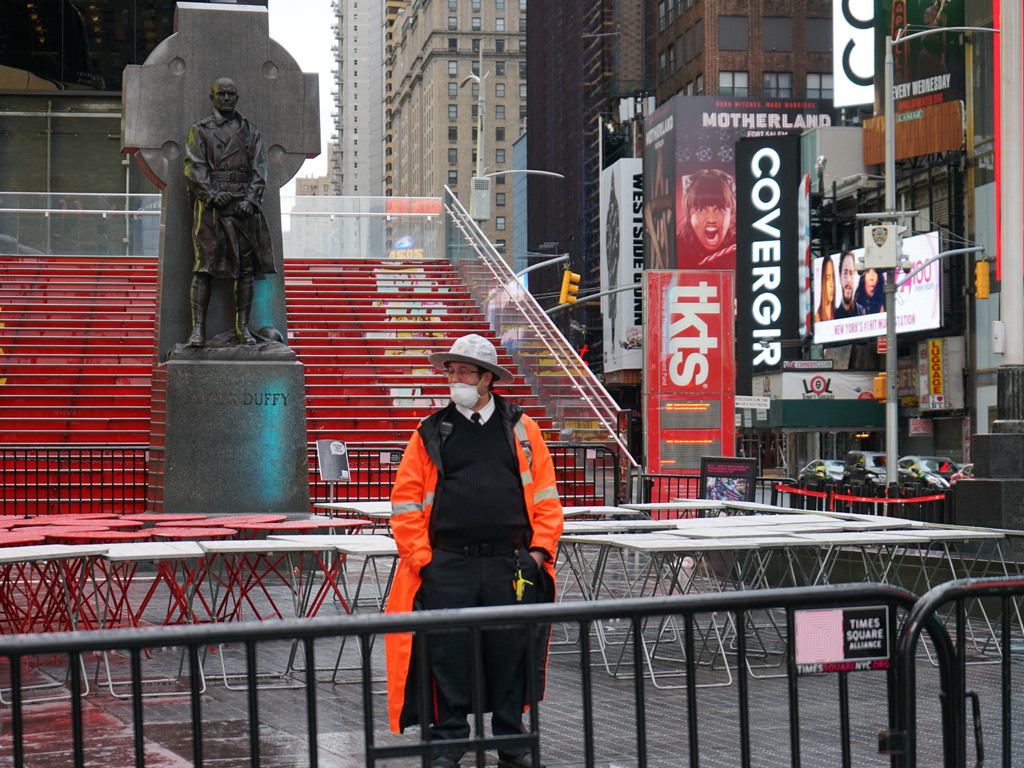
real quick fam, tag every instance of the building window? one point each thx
(699, 85)
(522, 46)
(499, 133)
(499, 45)
(499, 245)
(453, 178)
(453, 90)
(499, 5)
(499, 156)
(522, 90)
(499, 24)
(499, 199)
(499, 89)
(522, 23)
(475, 24)
(476, 45)
(499, 68)
(453, 43)
(453, 155)
(733, 33)
(453, 5)
(453, 111)
(661, 15)
(476, 111)
(474, 67)
(453, 133)
(474, 5)
(499, 179)
(698, 37)
(453, 22)
(661, 65)
(475, 89)
(777, 85)
(522, 70)
(819, 86)
(453, 68)
(499, 223)
(522, 5)
(499, 112)
(819, 35)
(522, 111)
(733, 84)
(777, 33)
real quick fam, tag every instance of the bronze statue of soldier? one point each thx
(226, 174)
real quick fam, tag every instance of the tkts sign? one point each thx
(689, 368)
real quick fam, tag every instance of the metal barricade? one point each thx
(589, 718)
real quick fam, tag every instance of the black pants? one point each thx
(454, 580)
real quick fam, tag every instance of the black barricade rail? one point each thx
(724, 697)
(986, 733)
(40, 480)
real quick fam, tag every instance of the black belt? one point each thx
(482, 549)
(229, 176)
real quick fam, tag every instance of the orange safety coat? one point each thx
(412, 499)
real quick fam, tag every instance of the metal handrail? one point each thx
(579, 376)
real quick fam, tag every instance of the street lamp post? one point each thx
(890, 213)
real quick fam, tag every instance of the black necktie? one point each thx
(475, 418)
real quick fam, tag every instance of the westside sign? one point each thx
(767, 253)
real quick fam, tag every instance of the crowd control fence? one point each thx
(744, 682)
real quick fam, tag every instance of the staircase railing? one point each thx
(575, 399)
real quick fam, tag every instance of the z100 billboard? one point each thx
(848, 305)
(690, 371)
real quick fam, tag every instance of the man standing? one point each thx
(848, 282)
(226, 173)
(476, 518)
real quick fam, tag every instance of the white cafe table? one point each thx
(598, 510)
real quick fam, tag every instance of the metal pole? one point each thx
(891, 405)
(1010, 387)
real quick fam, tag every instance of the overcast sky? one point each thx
(303, 27)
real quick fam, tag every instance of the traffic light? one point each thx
(570, 287)
(879, 386)
(981, 280)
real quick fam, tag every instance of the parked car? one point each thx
(820, 473)
(966, 470)
(929, 473)
(864, 468)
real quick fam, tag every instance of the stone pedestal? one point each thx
(995, 496)
(234, 438)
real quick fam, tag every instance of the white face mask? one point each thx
(465, 395)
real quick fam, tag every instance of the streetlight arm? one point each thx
(521, 170)
(956, 252)
(539, 264)
(589, 297)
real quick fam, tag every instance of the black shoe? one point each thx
(519, 761)
(243, 336)
(444, 761)
(198, 337)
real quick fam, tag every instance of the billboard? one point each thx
(853, 50)
(690, 168)
(930, 69)
(622, 263)
(768, 185)
(848, 305)
(689, 368)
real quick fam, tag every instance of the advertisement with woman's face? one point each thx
(706, 220)
(852, 305)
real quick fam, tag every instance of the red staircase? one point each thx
(363, 330)
(76, 349)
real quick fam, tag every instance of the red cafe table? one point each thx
(181, 608)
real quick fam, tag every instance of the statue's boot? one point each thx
(243, 306)
(199, 300)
